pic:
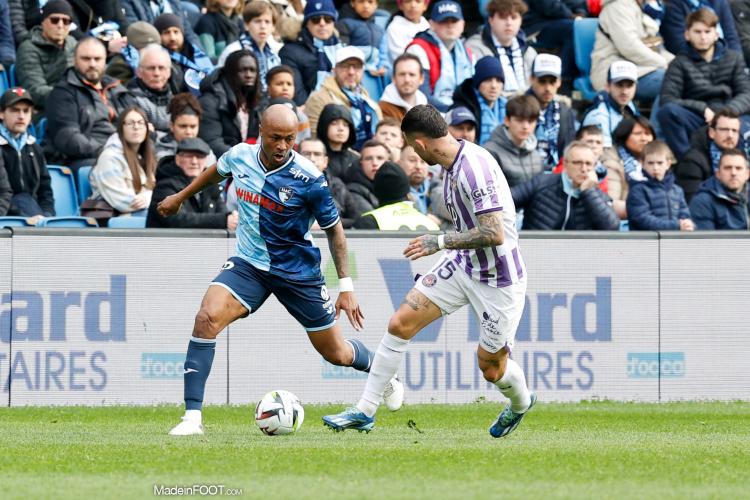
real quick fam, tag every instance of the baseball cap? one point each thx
(446, 9)
(193, 144)
(14, 95)
(460, 115)
(622, 70)
(349, 52)
(546, 65)
(315, 8)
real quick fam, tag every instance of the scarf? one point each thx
(132, 56)
(326, 55)
(703, 4)
(511, 59)
(195, 70)
(715, 154)
(568, 186)
(266, 58)
(547, 132)
(159, 7)
(364, 117)
(228, 26)
(490, 117)
(655, 10)
(633, 168)
(17, 143)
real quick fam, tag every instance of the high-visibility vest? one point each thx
(402, 216)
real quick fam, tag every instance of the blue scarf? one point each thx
(655, 10)
(547, 132)
(490, 117)
(633, 168)
(17, 143)
(132, 56)
(326, 55)
(715, 153)
(196, 70)
(568, 186)
(703, 4)
(363, 115)
(267, 58)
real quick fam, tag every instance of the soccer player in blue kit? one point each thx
(280, 193)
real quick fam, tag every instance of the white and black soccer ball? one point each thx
(279, 412)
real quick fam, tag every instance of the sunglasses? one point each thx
(57, 19)
(317, 19)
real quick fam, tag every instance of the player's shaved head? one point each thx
(278, 133)
(279, 116)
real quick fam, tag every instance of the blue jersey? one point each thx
(277, 209)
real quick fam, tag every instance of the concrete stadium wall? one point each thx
(104, 317)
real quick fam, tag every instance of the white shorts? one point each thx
(498, 310)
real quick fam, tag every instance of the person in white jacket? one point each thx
(405, 24)
(403, 92)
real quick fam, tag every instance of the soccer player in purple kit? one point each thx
(482, 266)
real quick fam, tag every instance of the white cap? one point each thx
(547, 64)
(349, 52)
(622, 70)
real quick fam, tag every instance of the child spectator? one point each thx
(483, 96)
(280, 85)
(184, 123)
(405, 24)
(657, 203)
(220, 26)
(357, 27)
(389, 133)
(336, 131)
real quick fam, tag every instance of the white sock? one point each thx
(385, 364)
(513, 386)
(194, 415)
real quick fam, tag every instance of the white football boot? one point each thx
(393, 396)
(191, 425)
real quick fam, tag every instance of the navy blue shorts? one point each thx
(307, 302)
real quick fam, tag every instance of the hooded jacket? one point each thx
(518, 164)
(338, 161)
(695, 167)
(713, 207)
(654, 205)
(27, 173)
(481, 44)
(393, 105)
(204, 210)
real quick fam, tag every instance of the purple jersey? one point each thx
(473, 186)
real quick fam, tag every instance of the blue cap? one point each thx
(446, 9)
(459, 115)
(320, 8)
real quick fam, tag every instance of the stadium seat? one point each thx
(68, 222)
(375, 85)
(3, 81)
(84, 185)
(39, 129)
(64, 190)
(127, 222)
(584, 35)
(14, 222)
(12, 76)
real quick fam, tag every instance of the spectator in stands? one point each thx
(189, 58)
(44, 57)
(404, 26)
(259, 18)
(657, 203)
(336, 130)
(741, 15)
(124, 65)
(87, 103)
(513, 144)
(7, 47)
(360, 177)
(280, 85)
(591, 135)
(674, 25)
(184, 123)
(482, 94)
(567, 201)
(220, 26)
(312, 54)
(229, 98)
(23, 158)
(502, 38)
(345, 87)
(403, 92)
(149, 10)
(623, 159)
(706, 78)
(556, 126)
(389, 133)
(615, 102)
(204, 210)
(462, 124)
(150, 89)
(6, 193)
(442, 43)
(124, 172)
(315, 151)
(357, 27)
(551, 21)
(708, 143)
(417, 171)
(627, 33)
(396, 210)
(721, 201)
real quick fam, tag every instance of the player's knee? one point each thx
(399, 328)
(206, 326)
(492, 373)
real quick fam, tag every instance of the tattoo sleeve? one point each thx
(488, 233)
(416, 300)
(337, 247)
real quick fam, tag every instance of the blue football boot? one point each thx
(508, 420)
(351, 418)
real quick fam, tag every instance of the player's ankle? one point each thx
(367, 407)
(194, 415)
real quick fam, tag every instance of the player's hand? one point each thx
(421, 247)
(348, 302)
(169, 205)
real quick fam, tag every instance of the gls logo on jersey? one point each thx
(484, 191)
(299, 174)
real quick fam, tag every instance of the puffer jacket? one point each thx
(656, 205)
(547, 207)
(625, 26)
(302, 56)
(696, 84)
(40, 64)
(518, 164)
(713, 207)
(695, 167)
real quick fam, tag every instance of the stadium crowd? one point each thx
(141, 95)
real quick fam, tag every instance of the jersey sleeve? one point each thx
(227, 161)
(481, 181)
(321, 204)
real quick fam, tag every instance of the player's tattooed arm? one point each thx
(337, 246)
(488, 233)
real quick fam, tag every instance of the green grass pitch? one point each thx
(584, 450)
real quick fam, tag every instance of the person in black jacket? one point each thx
(336, 131)
(204, 210)
(702, 160)
(361, 175)
(722, 200)
(567, 201)
(701, 81)
(23, 158)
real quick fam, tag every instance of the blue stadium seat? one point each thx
(12, 76)
(39, 129)
(375, 85)
(127, 222)
(3, 81)
(584, 35)
(14, 222)
(64, 190)
(68, 222)
(84, 185)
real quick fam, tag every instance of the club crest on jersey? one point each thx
(285, 193)
(429, 280)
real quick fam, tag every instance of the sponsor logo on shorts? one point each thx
(227, 265)
(429, 280)
(324, 293)
(489, 324)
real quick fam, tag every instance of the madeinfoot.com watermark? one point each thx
(203, 490)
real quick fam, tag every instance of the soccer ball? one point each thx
(279, 412)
